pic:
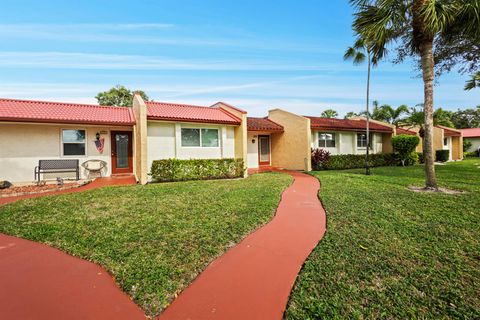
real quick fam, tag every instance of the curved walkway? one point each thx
(40, 282)
(253, 280)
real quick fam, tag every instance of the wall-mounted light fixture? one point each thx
(97, 135)
(253, 140)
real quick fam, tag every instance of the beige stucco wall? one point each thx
(164, 142)
(240, 132)
(140, 139)
(292, 148)
(22, 145)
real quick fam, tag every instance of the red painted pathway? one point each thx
(39, 282)
(253, 280)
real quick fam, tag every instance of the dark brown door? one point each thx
(264, 150)
(122, 159)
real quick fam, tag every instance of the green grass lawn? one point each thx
(153, 239)
(391, 253)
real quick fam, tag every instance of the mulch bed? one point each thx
(33, 189)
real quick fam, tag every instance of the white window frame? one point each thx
(370, 141)
(62, 143)
(201, 140)
(445, 142)
(334, 135)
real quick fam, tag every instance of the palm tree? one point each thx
(329, 113)
(473, 82)
(390, 114)
(357, 54)
(414, 25)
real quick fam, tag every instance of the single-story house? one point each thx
(472, 135)
(128, 140)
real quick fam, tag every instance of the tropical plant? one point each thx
(473, 82)
(351, 114)
(467, 144)
(357, 54)
(329, 113)
(413, 26)
(416, 118)
(320, 158)
(119, 96)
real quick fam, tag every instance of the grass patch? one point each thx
(392, 253)
(153, 239)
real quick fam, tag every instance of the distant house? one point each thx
(445, 138)
(472, 135)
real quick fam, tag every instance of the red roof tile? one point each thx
(60, 112)
(450, 132)
(406, 131)
(319, 123)
(189, 113)
(471, 133)
(263, 124)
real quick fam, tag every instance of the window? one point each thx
(73, 142)
(362, 140)
(445, 142)
(207, 138)
(326, 140)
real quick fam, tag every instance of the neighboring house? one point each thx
(38, 130)
(127, 139)
(445, 138)
(472, 135)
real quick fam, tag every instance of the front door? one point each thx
(122, 161)
(264, 150)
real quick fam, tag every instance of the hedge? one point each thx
(196, 169)
(352, 161)
(442, 155)
(473, 154)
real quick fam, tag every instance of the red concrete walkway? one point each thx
(253, 280)
(39, 282)
(97, 183)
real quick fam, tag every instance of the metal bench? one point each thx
(57, 166)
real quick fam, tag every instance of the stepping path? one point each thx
(97, 183)
(40, 282)
(253, 280)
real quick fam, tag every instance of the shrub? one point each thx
(352, 161)
(196, 169)
(442, 155)
(473, 154)
(420, 157)
(466, 145)
(319, 158)
(405, 145)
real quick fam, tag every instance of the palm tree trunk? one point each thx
(427, 63)
(367, 167)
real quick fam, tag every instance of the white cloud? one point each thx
(76, 60)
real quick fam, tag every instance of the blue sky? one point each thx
(257, 55)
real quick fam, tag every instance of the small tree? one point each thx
(405, 145)
(119, 96)
(466, 145)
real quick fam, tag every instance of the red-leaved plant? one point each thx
(319, 158)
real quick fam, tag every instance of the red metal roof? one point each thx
(471, 133)
(319, 123)
(189, 113)
(450, 132)
(263, 124)
(406, 131)
(60, 112)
